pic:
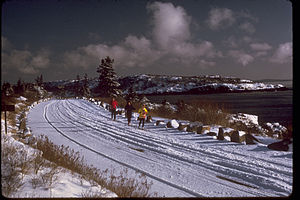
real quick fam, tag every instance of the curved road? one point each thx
(187, 164)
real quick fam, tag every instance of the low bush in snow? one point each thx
(12, 162)
(120, 184)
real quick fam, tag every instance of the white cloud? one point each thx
(41, 59)
(203, 49)
(171, 24)
(28, 70)
(241, 57)
(170, 39)
(283, 53)
(220, 18)
(136, 43)
(5, 44)
(23, 60)
(260, 46)
(133, 51)
(247, 27)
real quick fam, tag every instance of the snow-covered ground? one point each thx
(65, 183)
(180, 164)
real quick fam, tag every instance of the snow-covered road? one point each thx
(179, 163)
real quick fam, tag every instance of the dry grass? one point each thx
(11, 177)
(17, 162)
(120, 184)
(201, 111)
(195, 110)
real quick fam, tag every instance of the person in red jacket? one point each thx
(113, 107)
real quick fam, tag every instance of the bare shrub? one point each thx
(36, 181)
(38, 162)
(11, 179)
(119, 184)
(129, 187)
(205, 112)
(92, 194)
(50, 175)
(61, 155)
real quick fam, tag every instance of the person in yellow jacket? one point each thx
(143, 113)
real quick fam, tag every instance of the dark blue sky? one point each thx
(60, 39)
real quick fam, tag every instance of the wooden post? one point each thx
(5, 122)
(6, 108)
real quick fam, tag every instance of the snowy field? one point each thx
(180, 164)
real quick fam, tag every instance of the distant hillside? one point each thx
(162, 84)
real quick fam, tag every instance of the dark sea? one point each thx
(268, 106)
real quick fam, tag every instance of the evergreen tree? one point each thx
(131, 95)
(85, 80)
(39, 80)
(86, 89)
(108, 85)
(20, 87)
(77, 87)
(6, 89)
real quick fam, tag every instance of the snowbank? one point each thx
(18, 170)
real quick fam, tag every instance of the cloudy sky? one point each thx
(60, 39)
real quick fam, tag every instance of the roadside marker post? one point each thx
(7, 108)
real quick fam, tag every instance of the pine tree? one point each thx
(86, 89)
(39, 80)
(20, 87)
(132, 96)
(7, 89)
(108, 85)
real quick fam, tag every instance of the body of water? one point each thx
(269, 106)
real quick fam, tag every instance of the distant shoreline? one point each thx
(273, 80)
(217, 92)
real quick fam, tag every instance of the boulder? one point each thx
(182, 127)
(211, 134)
(250, 139)
(220, 134)
(191, 128)
(205, 129)
(172, 124)
(280, 146)
(102, 104)
(235, 136)
(199, 129)
(119, 112)
(149, 119)
(159, 122)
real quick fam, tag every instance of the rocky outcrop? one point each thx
(211, 133)
(283, 145)
(159, 122)
(199, 129)
(205, 129)
(250, 139)
(172, 124)
(235, 136)
(220, 134)
(182, 127)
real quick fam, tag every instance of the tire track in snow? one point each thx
(212, 179)
(87, 121)
(236, 166)
(122, 163)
